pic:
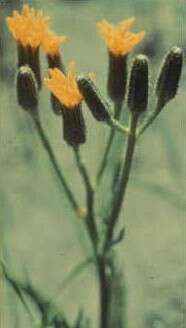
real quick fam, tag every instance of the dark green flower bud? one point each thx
(74, 129)
(138, 85)
(169, 77)
(117, 77)
(27, 93)
(98, 106)
(29, 56)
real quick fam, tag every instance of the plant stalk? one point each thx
(150, 120)
(118, 108)
(104, 292)
(48, 148)
(90, 197)
(121, 191)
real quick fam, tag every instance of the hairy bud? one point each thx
(138, 85)
(27, 93)
(169, 77)
(98, 106)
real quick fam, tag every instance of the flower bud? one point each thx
(138, 85)
(30, 56)
(169, 77)
(117, 77)
(27, 93)
(94, 100)
(74, 129)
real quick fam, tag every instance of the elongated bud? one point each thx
(117, 77)
(138, 85)
(29, 56)
(169, 77)
(27, 93)
(98, 106)
(55, 61)
(74, 129)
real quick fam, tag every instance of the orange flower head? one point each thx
(51, 43)
(28, 27)
(64, 88)
(119, 40)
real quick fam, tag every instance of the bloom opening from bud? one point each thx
(64, 87)
(51, 43)
(119, 40)
(28, 27)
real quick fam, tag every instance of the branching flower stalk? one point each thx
(67, 92)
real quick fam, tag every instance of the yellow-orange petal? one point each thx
(28, 27)
(126, 24)
(64, 87)
(51, 43)
(118, 38)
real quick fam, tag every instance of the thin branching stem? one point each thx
(150, 120)
(53, 160)
(115, 126)
(90, 197)
(120, 193)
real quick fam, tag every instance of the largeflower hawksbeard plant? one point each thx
(69, 91)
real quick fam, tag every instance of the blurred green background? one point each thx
(39, 231)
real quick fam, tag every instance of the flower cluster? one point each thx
(31, 30)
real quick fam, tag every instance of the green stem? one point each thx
(114, 123)
(48, 148)
(104, 290)
(90, 195)
(93, 234)
(150, 120)
(120, 194)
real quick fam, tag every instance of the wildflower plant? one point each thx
(127, 87)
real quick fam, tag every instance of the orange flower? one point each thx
(119, 40)
(63, 87)
(28, 27)
(51, 43)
